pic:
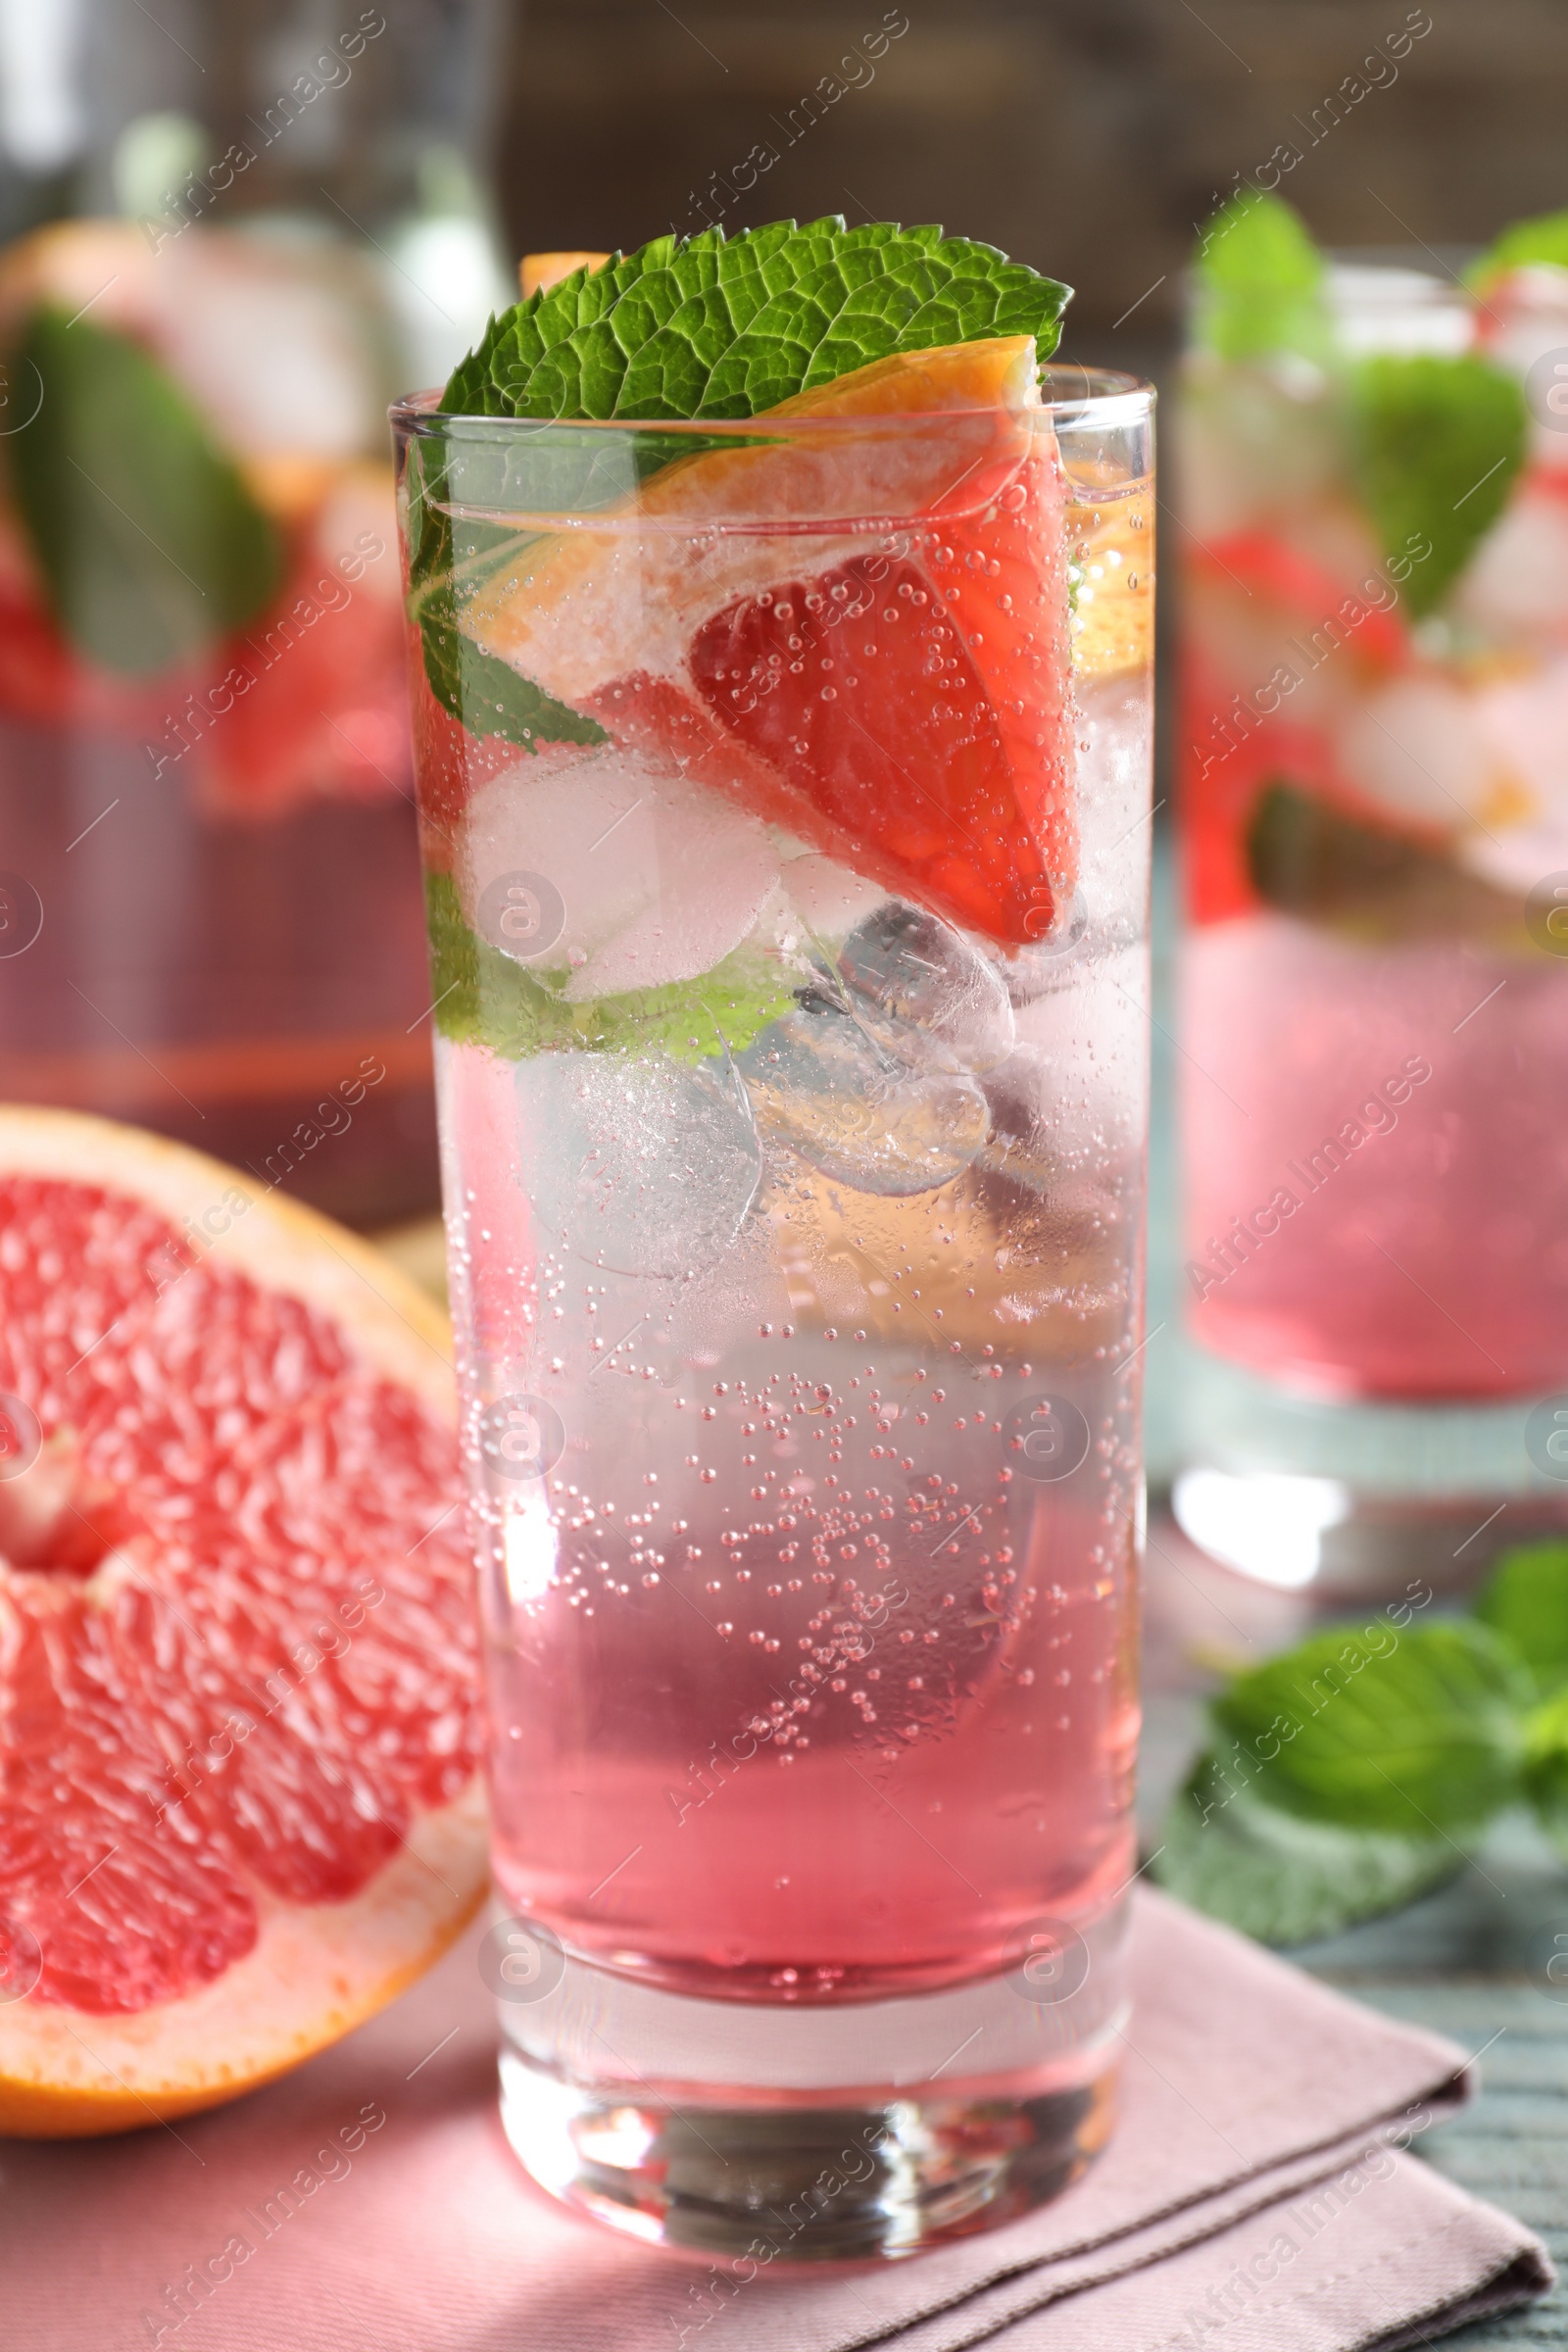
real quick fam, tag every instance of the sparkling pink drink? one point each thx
(209, 905)
(791, 1075)
(1394, 1193)
(1374, 681)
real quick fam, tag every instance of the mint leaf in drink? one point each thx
(701, 327)
(1546, 1767)
(1541, 239)
(1372, 883)
(1278, 1877)
(1260, 282)
(485, 997)
(489, 697)
(1525, 1602)
(1415, 1734)
(1436, 441)
(149, 544)
(485, 695)
(716, 326)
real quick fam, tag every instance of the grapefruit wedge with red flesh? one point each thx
(240, 1805)
(897, 697)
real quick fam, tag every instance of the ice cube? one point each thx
(819, 1082)
(1520, 858)
(1518, 577)
(918, 988)
(731, 1302)
(1525, 721)
(276, 337)
(830, 899)
(1417, 749)
(1024, 1100)
(645, 1167)
(1051, 963)
(1247, 445)
(659, 879)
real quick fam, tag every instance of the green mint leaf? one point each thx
(1435, 442)
(1370, 882)
(716, 326)
(1278, 1877)
(1543, 239)
(1525, 1601)
(487, 999)
(1546, 1767)
(1415, 1735)
(486, 696)
(149, 545)
(705, 326)
(1260, 283)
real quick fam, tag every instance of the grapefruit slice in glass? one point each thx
(239, 1803)
(895, 695)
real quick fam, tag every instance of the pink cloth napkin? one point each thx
(368, 2203)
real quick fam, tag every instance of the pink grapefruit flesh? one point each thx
(239, 1806)
(897, 699)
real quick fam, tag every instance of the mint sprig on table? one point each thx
(1358, 1770)
(704, 327)
(1434, 439)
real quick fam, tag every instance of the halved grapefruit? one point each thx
(240, 1805)
(895, 695)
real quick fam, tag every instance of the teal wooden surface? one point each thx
(1512, 2147)
(1474, 1960)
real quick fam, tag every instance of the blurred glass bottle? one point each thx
(1374, 482)
(235, 234)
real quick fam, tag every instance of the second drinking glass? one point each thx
(1375, 694)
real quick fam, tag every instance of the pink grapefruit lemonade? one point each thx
(1375, 819)
(791, 1077)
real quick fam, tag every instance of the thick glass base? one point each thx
(855, 2131)
(760, 2185)
(1358, 1501)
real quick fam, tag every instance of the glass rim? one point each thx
(1103, 396)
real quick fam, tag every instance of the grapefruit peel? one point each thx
(578, 609)
(313, 1970)
(640, 623)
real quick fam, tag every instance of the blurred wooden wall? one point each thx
(1085, 138)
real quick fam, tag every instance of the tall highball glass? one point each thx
(787, 879)
(1374, 789)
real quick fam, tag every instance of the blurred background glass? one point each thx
(1373, 789)
(236, 233)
